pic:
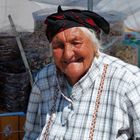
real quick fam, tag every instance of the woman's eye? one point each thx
(76, 43)
(58, 46)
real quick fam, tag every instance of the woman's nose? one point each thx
(68, 52)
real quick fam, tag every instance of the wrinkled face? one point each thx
(73, 53)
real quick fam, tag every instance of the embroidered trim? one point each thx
(97, 103)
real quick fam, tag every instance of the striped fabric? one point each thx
(118, 116)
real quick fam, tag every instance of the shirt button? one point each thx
(69, 106)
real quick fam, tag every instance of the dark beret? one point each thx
(65, 19)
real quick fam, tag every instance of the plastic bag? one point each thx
(57, 2)
(21, 13)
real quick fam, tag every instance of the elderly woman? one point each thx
(85, 94)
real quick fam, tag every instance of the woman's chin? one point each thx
(74, 73)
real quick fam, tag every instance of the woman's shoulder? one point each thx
(121, 65)
(46, 71)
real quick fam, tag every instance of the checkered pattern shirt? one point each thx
(118, 115)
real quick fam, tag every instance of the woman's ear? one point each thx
(96, 53)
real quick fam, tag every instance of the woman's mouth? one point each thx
(74, 61)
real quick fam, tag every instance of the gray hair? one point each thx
(91, 33)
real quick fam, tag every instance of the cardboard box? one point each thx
(12, 127)
(21, 126)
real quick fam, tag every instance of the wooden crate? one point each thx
(21, 126)
(11, 127)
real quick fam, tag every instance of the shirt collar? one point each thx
(91, 75)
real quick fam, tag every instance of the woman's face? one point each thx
(73, 53)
